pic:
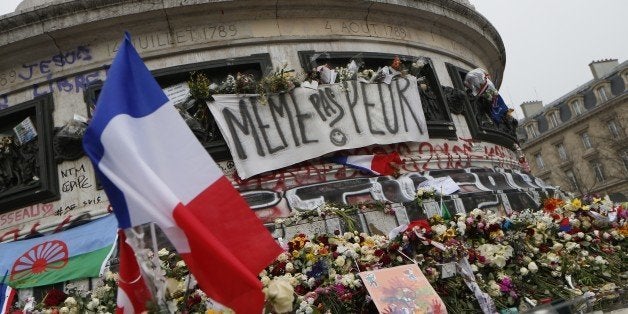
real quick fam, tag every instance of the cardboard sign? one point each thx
(402, 289)
(307, 123)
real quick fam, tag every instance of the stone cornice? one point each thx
(49, 24)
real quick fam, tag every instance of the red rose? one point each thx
(54, 297)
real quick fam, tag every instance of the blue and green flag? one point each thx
(76, 253)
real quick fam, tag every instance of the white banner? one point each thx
(307, 123)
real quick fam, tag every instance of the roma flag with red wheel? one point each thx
(154, 170)
(79, 252)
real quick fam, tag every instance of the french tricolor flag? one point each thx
(154, 170)
(378, 164)
(7, 294)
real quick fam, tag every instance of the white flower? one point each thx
(499, 261)
(474, 268)
(580, 234)
(283, 257)
(64, 310)
(265, 280)
(493, 289)
(163, 252)
(571, 245)
(281, 294)
(69, 302)
(439, 229)
(181, 264)
(557, 246)
(524, 271)
(462, 227)
(552, 257)
(340, 261)
(532, 267)
(289, 267)
(93, 304)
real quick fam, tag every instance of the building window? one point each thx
(598, 171)
(28, 171)
(586, 141)
(613, 128)
(624, 158)
(196, 113)
(601, 92)
(433, 98)
(576, 107)
(531, 131)
(39, 293)
(553, 119)
(571, 178)
(539, 161)
(562, 152)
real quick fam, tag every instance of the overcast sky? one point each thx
(549, 43)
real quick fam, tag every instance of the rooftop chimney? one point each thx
(600, 68)
(531, 107)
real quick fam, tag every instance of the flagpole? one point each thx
(158, 273)
(441, 199)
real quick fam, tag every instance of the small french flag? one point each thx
(7, 294)
(378, 164)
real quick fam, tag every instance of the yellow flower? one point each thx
(450, 233)
(585, 207)
(576, 203)
(310, 257)
(597, 200)
(623, 230)
(295, 253)
(369, 242)
(496, 234)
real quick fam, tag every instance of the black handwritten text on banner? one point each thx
(307, 123)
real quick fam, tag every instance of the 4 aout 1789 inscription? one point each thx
(351, 27)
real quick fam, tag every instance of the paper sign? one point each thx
(328, 75)
(402, 289)
(178, 93)
(445, 185)
(25, 131)
(448, 270)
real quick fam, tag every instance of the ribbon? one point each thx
(486, 302)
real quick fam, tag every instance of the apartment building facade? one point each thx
(578, 142)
